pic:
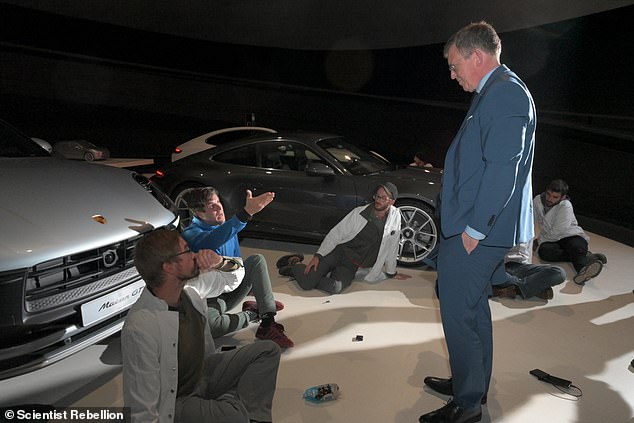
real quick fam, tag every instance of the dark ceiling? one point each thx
(323, 24)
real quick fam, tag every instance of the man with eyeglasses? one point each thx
(366, 238)
(210, 229)
(486, 209)
(171, 370)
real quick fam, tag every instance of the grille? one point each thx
(71, 278)
(75, 294)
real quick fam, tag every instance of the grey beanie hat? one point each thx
(390, 188)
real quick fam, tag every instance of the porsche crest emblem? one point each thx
(99, 219)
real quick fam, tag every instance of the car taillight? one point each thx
(159, 173)
(177, 150)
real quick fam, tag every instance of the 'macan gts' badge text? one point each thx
(99, 219)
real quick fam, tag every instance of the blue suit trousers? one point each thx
(464, 285)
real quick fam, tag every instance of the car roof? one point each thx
(80, 142)
(307, 137)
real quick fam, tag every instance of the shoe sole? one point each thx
(592, 270)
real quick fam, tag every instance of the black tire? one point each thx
(419, 232)
(181, 205)
(88, 156)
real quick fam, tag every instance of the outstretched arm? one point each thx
(254, 205)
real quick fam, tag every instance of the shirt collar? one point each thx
(485, 79)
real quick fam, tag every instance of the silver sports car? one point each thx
(68, 231)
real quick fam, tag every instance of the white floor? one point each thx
(585, 334)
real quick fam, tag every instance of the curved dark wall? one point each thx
(139, 92)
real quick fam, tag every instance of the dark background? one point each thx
(141, 93)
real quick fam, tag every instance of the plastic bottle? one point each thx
(321, 393)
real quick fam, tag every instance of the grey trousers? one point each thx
(237, 386)
(334, 273)
(256, 278)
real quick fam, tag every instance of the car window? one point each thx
(243, 156)
(85, 144)
(356, 160)
(285, 155)
(13, 144)
(225, 137)
(281, 155)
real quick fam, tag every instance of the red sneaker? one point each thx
(275, 333)
(253, 306)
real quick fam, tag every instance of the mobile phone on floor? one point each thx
(545, 377)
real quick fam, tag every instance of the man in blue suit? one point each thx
(486, 209)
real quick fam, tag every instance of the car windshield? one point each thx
(14, 144)
(86, 144)
(354, 159)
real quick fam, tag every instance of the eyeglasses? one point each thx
(381, 197)
(453, 68)
(179, 254)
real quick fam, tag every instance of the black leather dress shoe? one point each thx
(451, 413)
(444, 386)
(440, 385)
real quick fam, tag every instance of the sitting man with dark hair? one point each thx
(560, 236)
(171, 371)
(209, 229)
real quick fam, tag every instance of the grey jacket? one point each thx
(560, 221)
(149, 345)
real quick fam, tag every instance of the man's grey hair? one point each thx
(477, 35)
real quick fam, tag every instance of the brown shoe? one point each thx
(546, 294)
(509, 291)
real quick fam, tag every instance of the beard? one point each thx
(194, 272)
(381, 208)
(552, 203)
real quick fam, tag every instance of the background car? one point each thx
(212, 139)
(68, 231)
(80, 150)
(317, 179)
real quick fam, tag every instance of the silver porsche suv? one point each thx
(67, 236)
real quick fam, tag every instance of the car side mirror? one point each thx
(319, 169)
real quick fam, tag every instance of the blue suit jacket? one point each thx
(487, 176)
